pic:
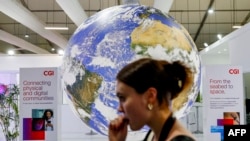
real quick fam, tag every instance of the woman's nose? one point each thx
(120, 108)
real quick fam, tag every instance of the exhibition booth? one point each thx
(231, 52)
(226, 82)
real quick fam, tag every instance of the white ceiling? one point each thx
(20, 17)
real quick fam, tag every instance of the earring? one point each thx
(150, 107)
(179, 83)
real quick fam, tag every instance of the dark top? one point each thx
(182, 138)
(166, 129)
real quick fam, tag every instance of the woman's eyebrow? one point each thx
(118, 94)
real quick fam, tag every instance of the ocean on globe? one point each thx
(112, 38)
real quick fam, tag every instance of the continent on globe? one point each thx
(84, 90)
(156, 33)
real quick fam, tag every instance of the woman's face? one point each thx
(132, 105)
(48, 114)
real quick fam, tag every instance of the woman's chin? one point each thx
(134, 128)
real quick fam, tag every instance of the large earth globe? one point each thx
(112, 38)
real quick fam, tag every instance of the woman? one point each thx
(145, 89)
(48, 115)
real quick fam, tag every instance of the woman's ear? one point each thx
(151, 95)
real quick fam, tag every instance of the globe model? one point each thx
(112, 38)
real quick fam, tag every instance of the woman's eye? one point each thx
(121, 98)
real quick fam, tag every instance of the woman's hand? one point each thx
(49, 124)
(118, 129)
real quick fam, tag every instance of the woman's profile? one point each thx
(48, 117)
(145, 89)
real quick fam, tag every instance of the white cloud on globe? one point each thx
(70, 77)
(102, 62)
(147, 24)
(75, 51)
(158, 52)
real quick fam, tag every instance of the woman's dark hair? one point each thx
(44, 114)
(167, 78)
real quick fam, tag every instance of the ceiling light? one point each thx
(210, 11)
(52, 49)
(237, 26)
(205, 44)
(56, 28)
(11, 52)
(26, 36)
(60, 52)
(219, 36)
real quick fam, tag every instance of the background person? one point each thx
(48, 116)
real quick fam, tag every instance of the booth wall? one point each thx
(71, 126)
(240, 55)
(240, 50)
(238, 45)
(13, 63)
(247, 84)
(215, 59)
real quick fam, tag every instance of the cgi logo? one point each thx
(234, 71)
(48, 73)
